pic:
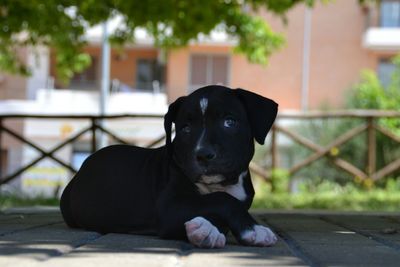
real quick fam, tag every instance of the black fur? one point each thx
(127, 189)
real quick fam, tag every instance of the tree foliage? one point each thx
(61, 24)
(370, 93)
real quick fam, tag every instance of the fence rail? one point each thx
(370, 126)
(95, 126)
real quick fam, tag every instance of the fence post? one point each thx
(94, 137)
(274, 160)
(1, 149)
(371, 139)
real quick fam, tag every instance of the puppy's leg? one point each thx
(178, 219)
(201, 233)
(258, 235)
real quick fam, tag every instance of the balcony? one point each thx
(73, 101)
(382, 39)
(382, 31)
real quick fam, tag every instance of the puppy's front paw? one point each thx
(203, 234)
(259, 235)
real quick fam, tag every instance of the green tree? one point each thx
(60, 24)
(370, 93)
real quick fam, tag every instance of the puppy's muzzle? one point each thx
(205, 155)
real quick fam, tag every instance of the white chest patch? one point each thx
(235, 190)
(203, 105)
(211, 179)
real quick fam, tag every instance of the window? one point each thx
(88, 79)
(390, 13)
(385, 71)
(149, 75)
(208, 69)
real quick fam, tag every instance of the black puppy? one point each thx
(197, 187)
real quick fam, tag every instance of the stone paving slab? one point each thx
(382, 229)
(337, 240)
(10, 224)
(130, 250)
(38, 237)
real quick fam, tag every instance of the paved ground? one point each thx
(38, 237)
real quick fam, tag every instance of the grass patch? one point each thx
(10, 201)
(331, 196)
(323, 196)
(368, 201)
(377, 200)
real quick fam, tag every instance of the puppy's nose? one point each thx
(205, 154)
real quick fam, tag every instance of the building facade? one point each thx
(326, 49)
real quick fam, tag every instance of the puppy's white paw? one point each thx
(259, 236)
(203, 234)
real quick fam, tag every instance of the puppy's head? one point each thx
(215, 128)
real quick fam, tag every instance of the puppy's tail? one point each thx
(65, 206)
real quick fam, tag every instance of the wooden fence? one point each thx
(370, 126)
(94, 128)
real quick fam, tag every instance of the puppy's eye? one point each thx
(230, 122)
(186, 128)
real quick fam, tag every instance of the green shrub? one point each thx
(368, 93)
(331, 196)
(10, 201)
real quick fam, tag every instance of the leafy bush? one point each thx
(369, 93)
(321, 186)
(18, 201)
(332, 196)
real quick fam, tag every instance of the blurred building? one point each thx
(326, 49)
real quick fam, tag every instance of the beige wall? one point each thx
(281, 78)
(337, 55)
(13, 86)
(177, 73)
(123, 65)
(178, 67)
(336, 59)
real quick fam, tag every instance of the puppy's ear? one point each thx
(261, 113)
(170, 118)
